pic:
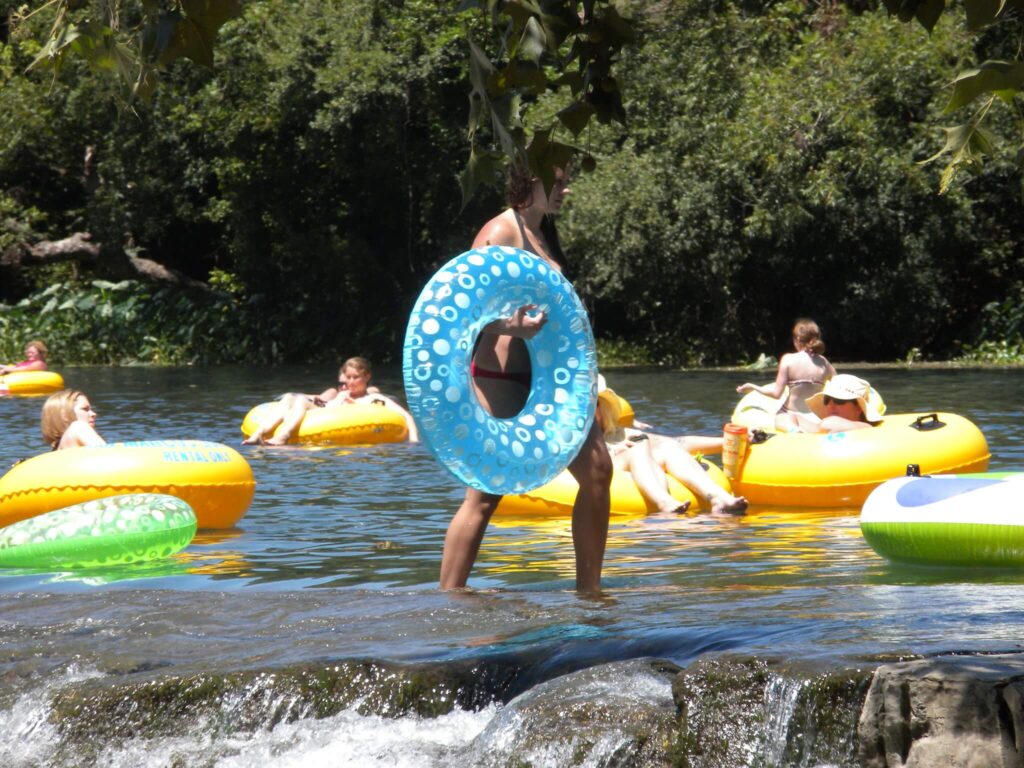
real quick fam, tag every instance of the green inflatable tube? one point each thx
(115, 530)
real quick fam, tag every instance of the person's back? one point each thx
(804, 372)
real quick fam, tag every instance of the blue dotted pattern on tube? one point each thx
(496, 455)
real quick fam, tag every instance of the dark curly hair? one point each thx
(519, 187)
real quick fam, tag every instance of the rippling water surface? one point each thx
(338, 558)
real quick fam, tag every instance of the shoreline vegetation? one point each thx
(100, 323)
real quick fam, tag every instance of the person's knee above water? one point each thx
(35, 359)
(69, 421)
(844, 404)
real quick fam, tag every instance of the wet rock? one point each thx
(612, 715)
(951, 711)
(226, 702)
(738, 712)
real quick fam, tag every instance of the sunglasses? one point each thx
(829, 400)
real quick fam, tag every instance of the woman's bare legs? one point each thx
(592, 469)
(465, 533)
(684, 468)
(269, 423)
(649, 477)
(701, 444)
(295, 411)
(289, 412)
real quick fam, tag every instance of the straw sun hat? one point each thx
(844, 386)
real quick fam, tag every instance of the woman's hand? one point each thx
(522, 324)
(744, 388)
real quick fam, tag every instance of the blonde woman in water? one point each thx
(804, 371)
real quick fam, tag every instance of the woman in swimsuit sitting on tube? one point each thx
(804, 372)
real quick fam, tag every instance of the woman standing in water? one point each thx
(500, 373)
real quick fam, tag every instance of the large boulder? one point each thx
(950, 711)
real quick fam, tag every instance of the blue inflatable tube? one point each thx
(497, 455)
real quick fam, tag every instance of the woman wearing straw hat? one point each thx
(649, 457)
(844, 404)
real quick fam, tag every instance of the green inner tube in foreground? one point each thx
(116, 530)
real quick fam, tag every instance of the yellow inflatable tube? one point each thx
(557, 497)
(351, 424)
(30, 383)
(842, 468)
(214, 479)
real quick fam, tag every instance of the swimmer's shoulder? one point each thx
(501, 230)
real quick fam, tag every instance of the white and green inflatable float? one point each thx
(114, 530)
(962, 520)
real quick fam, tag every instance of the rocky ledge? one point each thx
(949, 711)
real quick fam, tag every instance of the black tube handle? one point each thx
(922, 423)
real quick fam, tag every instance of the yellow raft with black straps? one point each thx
(31, 383)
(349, 424)
(840, 469)
(215, 480)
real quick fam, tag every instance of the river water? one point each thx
(338, 557)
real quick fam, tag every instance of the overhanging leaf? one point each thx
(981, 13)
(1003, 78)
(483, 168)
(54, 49)
(533, 42)
(522, 76)
(576, 116)
(545, 156)
(928, 13)
(195, 34)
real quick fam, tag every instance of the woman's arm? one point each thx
(410, 423)
(775, 389)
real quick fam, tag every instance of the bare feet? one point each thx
(277, 440)
(729, 504)
(254, 439)
(672, 505)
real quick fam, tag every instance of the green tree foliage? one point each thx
(766, 174)
(768, 170)
(977, 89)
(132, 41)
(544, 46)
(319, 166)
